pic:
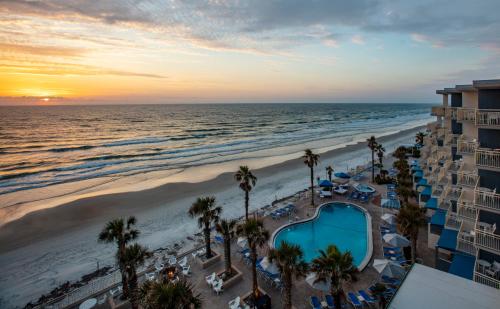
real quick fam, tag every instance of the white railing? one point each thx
(488, 118)
(487, 240)
(467, 179)
(488, 158)
(466, 147)
(465, 241)
(451, 113)
(452, 221)
(486, 280)
(487, 199)
(437, 111)
(466, 114)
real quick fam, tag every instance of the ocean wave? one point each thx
(73, 148)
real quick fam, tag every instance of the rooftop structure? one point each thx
(426, 287)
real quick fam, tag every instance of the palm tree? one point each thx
(372, 144)
(409, 220)
(247, 180)
(257, 236)
(311, 159)
(121, 233)
(134, 256)
(419, 138)
(378, 291)
(169, 295)
(380, 154)
(335, 267)
(400, 153)
(204, 208)
(290, 261)
(329, 171)
(227, 229)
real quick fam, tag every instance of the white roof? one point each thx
(426, 287)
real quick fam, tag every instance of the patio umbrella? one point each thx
(389, 218)
(242, 242)
(320, 285)
(269, 266)
(396, 240)
(342, 175)
(388, 268)
(325, 183)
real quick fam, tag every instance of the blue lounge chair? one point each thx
(219, 239)
(353, 299)
(315, 303)
(329, 301)
(390, 280)
(367, 297)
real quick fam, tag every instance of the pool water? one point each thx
(365, 189)
(339, 224)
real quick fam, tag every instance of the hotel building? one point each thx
(458, 181)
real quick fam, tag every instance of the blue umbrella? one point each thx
(326, 183)
(342, 175)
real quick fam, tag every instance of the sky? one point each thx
(196, 51)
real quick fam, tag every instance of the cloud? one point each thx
(40, 50)
(358, 39)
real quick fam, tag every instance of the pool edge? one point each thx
(369, 233)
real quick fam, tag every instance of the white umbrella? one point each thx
(389, 218)
(319, 285)
(269, 266)
(396, 240)
(388, 268)
(242, 242)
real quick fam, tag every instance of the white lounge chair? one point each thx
(494, 270)
(172, 261)
(217, 287)
(183, 261)
(235, 303)
(116, 291)
(159, 267)
(186, 270)
(211, 278)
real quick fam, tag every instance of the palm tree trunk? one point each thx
(287, 300)
(336, 294)
(121, 250)
(255, 286)
(373, 166)
(247, 200)
(312, 186)
(414, 247)
(207, 241)
(227, 257)
(134, 293)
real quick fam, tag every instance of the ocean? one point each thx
(49, 145)
(56, 154)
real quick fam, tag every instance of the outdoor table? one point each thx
(89, 303)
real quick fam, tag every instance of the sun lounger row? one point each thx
(315, 302)
(283, 212)
(363, 197)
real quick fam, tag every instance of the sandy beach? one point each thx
(50, 246)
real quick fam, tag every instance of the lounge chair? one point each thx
(367, 297)
(211, 279)
(315, 303)
(116, 291)
(390, 280)
(183, 261)
(353, 299)
(235, 303)
(186, 270)
(219, 239)
(172, 260)
(330, 301)
(217, 287)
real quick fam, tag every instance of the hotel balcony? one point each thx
(465, 238)
(452, 221)
(488, 118)
(451, 139)
(488, 159)
(487, 199)
(486, 239)
(486, 279)
(465, 205)
(465, 179)
(466, 147)
(451, 113)
(466, 114)
(438, 111)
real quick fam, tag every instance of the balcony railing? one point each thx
(465, 240)
(451, 113)
(488, 118)
(466, 114)
(487, 199)
(488, 158)
(466, 147)
(451, 139)
(487, 240)
(452, 222)
(437, 111)
(467, 179)
(486, 280)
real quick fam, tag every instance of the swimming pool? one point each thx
(364, 188)
(345, 225)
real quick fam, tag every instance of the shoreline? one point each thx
(67, 217)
